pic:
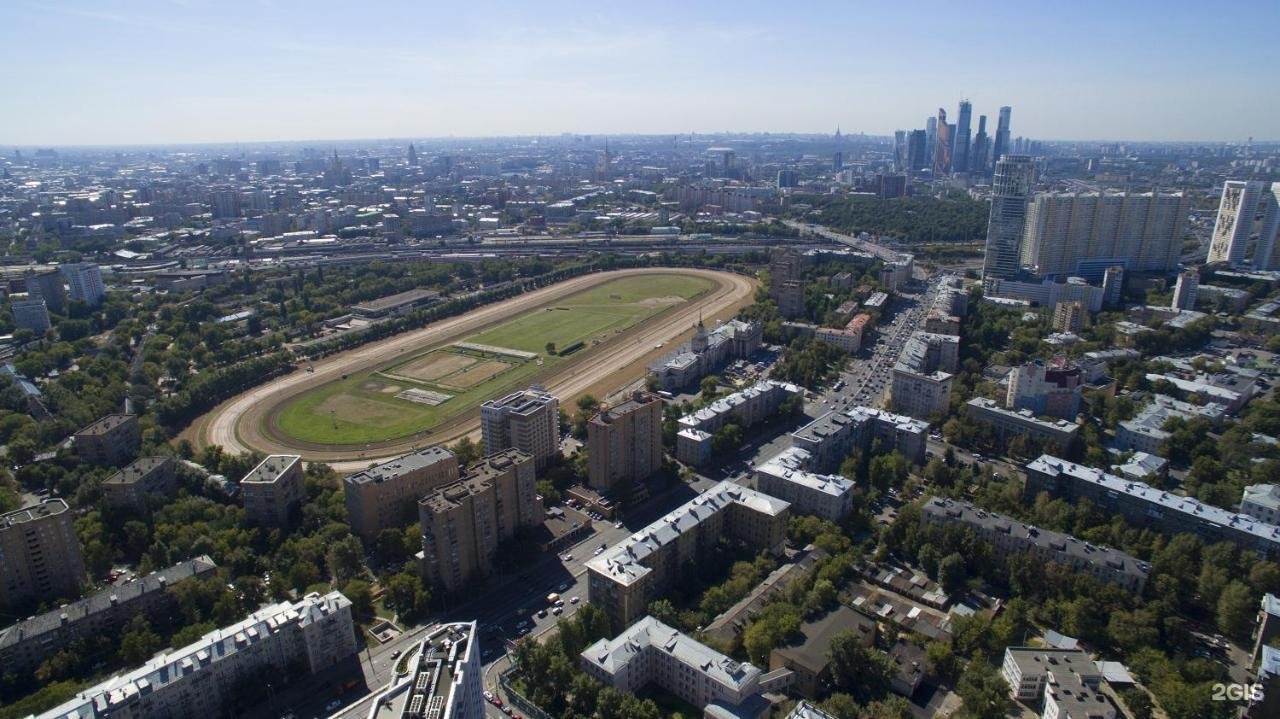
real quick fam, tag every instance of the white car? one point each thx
(488, 695)
(598, 551)
(573, 600)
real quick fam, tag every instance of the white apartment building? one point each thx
(200, 679)
(652, 652)
(1139, 231)
(787, 477)
(1248, 219)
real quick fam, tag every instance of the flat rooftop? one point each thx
(106, 424)
(525, 401)
(790, 465)
(634, 402)
(649, 634)
(104, 599)
(391, 302)
(435, 673)
(46, 508)
(1024, 416)
(411, 462)
(1187, 506)
(138, 469)
(271, 469)
(499, 463)
(952, 510)
(624, 561)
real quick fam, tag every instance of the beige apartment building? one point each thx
(273, 491)
(626, 577)
(528, 420)
(110, 441)
(464, 522)
(387, 495)
(144, 478)
(40, 555)
(624, 442)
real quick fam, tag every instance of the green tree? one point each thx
(862, 672)
(727, 439)
(138, 641)
(345, 558)
(952, 574)
(983, 692)
(1236, 609)
(361, 597)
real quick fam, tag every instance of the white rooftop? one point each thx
(623, 561)
(1205, 513)
(651, 635)
(791, 463)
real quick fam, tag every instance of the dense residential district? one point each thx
(949, 423)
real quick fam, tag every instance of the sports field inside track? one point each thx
(373, 406)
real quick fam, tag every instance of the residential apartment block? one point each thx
(110, 441)
(652, 652)
(1058, 434)
(808, 656)
(786, 476)
(386, 496)
(1051, 388)
(273, 492)
(23, 646)
(1145, 432)
(464, 522)
(847, 338)
(144, 481)
(1008, 536)
(203, 678)
(1027, 670)
(528, 420)
(624, 442)
(745, 408)
(30, 314)
(85, 281)
(1268, 624)
(40, 555)
(922, 375)
(627, 576)
(833, 436)
(1144, 505)
(1065, 232)
(1245, 232)
(1069, 316)
(1262, 502)
(444, 679)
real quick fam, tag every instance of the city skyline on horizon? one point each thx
(196, 73)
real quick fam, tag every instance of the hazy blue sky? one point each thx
(187, 71)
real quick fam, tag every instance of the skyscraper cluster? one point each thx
(952, 148)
